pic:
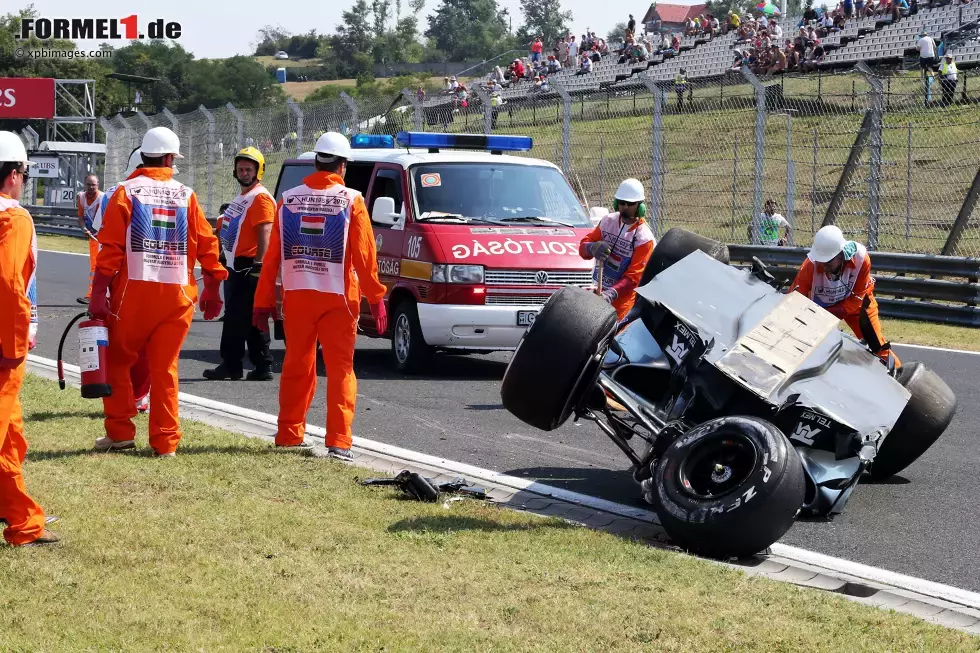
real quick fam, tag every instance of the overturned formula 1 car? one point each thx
(740, 406)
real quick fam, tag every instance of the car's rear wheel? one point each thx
(927, 415)
(729, 487)
(557, 360)
(408, 347)
(676, 244)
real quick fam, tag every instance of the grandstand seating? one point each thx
(873, 39)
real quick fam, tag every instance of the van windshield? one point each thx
(498, 192)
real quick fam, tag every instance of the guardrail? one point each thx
(918, 285)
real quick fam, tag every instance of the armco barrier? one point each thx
(934, 299)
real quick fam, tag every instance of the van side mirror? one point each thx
(597, 213)
(384, 211)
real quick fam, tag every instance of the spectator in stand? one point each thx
(792, 56)
(563, 51)
(814, 59)
(927, 52)
(631, 25)
(536, 50)
(675, 44)
(553, 65)
(585, 66)
(777, 61)
(572, 50)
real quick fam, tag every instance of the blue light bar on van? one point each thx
(365, 141)
(465, 141)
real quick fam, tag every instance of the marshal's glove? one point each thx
(211, 298)
(610, 295)
(599, 250)
(261, 317)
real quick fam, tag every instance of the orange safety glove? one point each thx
(261, 317)
(380, 316)
(211, 299)
(98, 306)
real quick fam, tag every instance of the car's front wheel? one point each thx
(408, 347)
(729, 487)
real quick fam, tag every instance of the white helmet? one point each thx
(827, 243)
(333, 144)
(12, 149)
(160, 141)
(631, 190)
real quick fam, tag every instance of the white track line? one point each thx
(830, 563)
(55, 251)
(946, 349)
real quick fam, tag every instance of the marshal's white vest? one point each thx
(313, 228)
(827, 292)
(156, 239)
(92, 212)
(5, 205)
(617, 234)
(234, 215)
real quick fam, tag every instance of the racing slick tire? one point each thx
(926, 416)
(675, 245)
(558, 358)
(729, 487)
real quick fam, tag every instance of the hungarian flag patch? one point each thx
(312, 225)
(163, 218)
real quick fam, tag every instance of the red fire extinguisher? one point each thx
(93, 345)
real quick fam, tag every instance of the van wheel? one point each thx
(407, 345)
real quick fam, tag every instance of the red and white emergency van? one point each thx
(471, 241)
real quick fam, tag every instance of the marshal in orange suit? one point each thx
(153, 233)
(24, 519)
(323, 242)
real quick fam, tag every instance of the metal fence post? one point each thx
(240, 127)
(790, 179)
(109, 145)
(210, 119)
(416, 108)
(566, 128)
(352, 105)
(760, 137)
(656, 157)
(299, 124)
(487, 109)
(875, 143)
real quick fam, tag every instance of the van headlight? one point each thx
(457, 274)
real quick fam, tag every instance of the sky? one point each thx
(209, 30)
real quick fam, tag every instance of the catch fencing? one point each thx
(886, 156)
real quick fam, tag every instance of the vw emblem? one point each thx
(541, 277)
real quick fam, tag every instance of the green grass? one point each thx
(234, 546)
(62, 243)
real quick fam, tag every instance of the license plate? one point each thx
(526, 318)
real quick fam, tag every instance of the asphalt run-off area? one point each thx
(924, 522)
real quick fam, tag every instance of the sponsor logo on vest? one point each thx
(315, 252)
(164, 218)
(312, 225)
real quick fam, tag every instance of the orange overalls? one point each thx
(153, 233)
(850, 298)
(18, 260)
(632, 247)
(320, 238)
(88, 210)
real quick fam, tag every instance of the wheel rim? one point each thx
(717, 466)
(403, 337)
